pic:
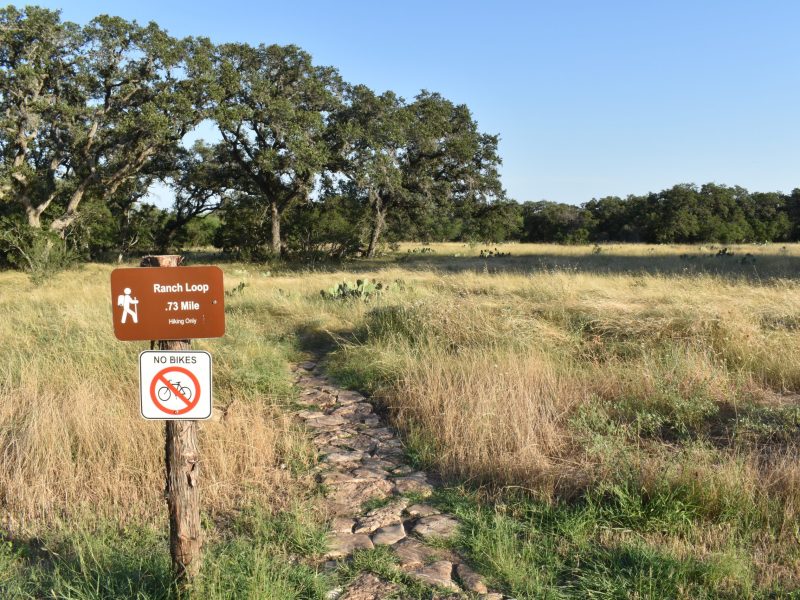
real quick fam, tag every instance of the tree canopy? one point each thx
(306, 164)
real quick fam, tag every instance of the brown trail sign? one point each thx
(168, 304)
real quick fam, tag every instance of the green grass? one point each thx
(259, 557)
(594, 548)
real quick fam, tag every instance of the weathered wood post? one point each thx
(182, 473)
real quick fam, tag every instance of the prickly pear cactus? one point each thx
(361, 289)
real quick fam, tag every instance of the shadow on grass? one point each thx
(739, 265)
(254, 557)
(79, 564)
(756, 268)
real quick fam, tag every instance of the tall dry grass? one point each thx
(72, 442)
(497, 418)
(682, 387)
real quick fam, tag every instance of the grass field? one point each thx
(610, 421)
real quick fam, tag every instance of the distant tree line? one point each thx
(307, 165)
(684, 213)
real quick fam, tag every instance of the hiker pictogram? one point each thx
(130, 305)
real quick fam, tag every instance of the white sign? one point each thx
(175, 384)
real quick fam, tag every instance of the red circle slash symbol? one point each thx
(183, 394)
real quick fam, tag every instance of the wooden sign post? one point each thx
(183, 473)
(173, 306)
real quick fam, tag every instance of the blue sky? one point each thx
(590, 98)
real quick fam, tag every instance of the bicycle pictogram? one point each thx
(174, 390)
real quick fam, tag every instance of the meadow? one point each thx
(609, 421)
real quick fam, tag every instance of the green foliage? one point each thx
(420, 162)
(488, 253)
(537, 549)
(104, 108)
(360, 290)
(236, 290)
(273, 134)
(39, 253)
(201, 230)
(87, 110)
(308, 166)
(116, 230)
(330, 228)
(684, 213)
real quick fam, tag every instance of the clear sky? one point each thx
(590, 98)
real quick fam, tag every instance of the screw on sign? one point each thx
(166, 387)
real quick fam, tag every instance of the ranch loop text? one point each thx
(201, 288)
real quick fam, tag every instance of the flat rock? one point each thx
(357, 442)
(370, 473)
(314, 402)
(355, 492)
(412, 484)
(470, 580)
(344, 544)
(492, 596)
(343, 457)
(313, 393)
(394, 455)
(348, 397)
(412, 553)
(307, 365)
(383, 433)
(388, 535)
(339, 509)
(327, 438)
(342, 525)
(442, 526)
(403, 470)
(335, 477)
(357, 409)
(325, 421)
(381, 517)
(372, 462)
(310, 414)
(368, 587)
(391, 443)
(421, 510)
(437, 574)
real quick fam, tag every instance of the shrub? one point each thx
(40, 253)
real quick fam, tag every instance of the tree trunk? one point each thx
(377, 227)
(276, 228)
(34, 216)
(182, 461)
(65, 220)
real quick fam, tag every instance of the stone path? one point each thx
(363, 460)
